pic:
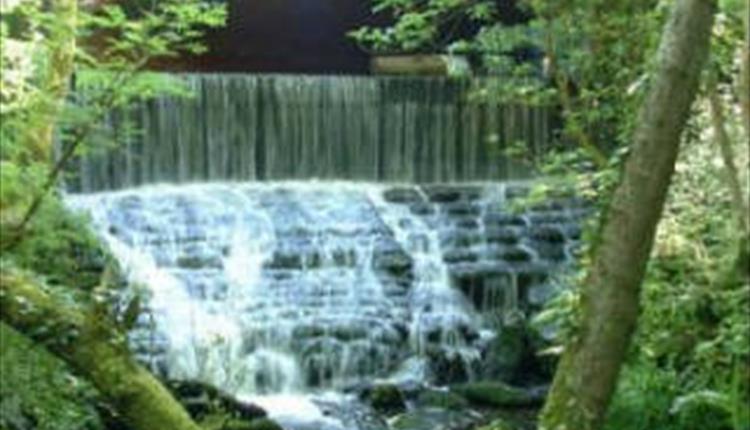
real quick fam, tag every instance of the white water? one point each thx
(280, 291)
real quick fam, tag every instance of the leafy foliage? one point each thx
(690, 366)
(422, 25)
(112, 46)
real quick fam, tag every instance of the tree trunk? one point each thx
(744, 81)
(94, 350)
(732, 175)
(587, 374)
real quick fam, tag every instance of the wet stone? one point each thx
(462, 209)
(547, 234)
(402, 195)
(531, 278)
(468, 277)
(551, 252)
(549, 206)
(198, 261)
(391, 258)
(573, 231)
(422, 209)
(459, 238)
(503, 236)
(442, 194)
(460, 256)
(285, 261)
(549, 218)
(469, 223)
(505, 220)
(517, 255)
(347, 258)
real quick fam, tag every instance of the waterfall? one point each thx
(289, 287)
(276, 127)
(294, 236)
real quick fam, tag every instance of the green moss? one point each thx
(497, 425)
(223, 422)
(62, 248)
(495, 394)
(442, 399)
(262, 424)
(387, 399)
(38, 391)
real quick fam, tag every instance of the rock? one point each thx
(552, 252)
(505, 354)
(285, 260)
(447, 368)
(547, 234)
(403, 195)
(459, 238)
(436, 419)
(462, 209)
(442, 399)
(460, 256)
(389, 257)
(517, 255)
(261, 424)
(222, 422)
(194, 261)
(442, 194)
(201, 399)
(502, 235)
(468, 223)
(554, 218)
(422, 209)
(387, 399)
(573, 231)
(498, 394)
(497, 425)
(505, 220)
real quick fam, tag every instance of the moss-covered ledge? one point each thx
(93, 349)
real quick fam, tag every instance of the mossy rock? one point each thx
(497, 425)
(435, 418)
(261, 424)
(224, 422)
(497, 394)
(39, 391)
(442, 399)
(387, 399)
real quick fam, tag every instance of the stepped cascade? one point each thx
(276, 127)
(288, 287)
(295, 236)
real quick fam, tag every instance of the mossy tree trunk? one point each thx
(93, 349)
(734, 183)
(587, 374)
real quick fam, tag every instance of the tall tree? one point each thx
(587, 374)
(80, 334)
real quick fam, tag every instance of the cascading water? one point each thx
(271, 288)
(275, 127)
(282, 289)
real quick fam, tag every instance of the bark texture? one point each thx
(94, 350)
(732, 175)
(587, 374)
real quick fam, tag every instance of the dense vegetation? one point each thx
(689, 363)
(688, 367)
